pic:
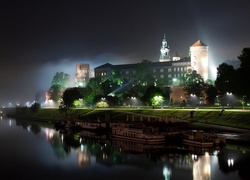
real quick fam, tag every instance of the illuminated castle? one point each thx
(166, 69)
(169, 70)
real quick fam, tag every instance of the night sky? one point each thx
(41, 37)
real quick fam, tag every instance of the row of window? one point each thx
(175, 69)
(161, 76)
(170, 70)
(171, 76)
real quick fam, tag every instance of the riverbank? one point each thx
(237, 118)
(233, 123)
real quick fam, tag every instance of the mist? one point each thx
(24, 83)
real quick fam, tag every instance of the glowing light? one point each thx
(50, 103)
(82, 147)
(62, 138)
(49, 133)
(166, 173)
(230, 162)
(157, 100)
(202, 167)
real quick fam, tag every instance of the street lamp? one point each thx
(193, 98)
(133, 99)
(229, 98)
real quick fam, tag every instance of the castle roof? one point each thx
(107, 65)
(198, 43)
(155, 64)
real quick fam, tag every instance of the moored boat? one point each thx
(136, 132)
(202, 139)
(196, 138)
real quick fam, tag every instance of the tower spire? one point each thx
(164, 51)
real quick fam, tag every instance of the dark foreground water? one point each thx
(36, 151)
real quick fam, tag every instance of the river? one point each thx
(33, 150)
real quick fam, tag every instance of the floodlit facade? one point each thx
(82, 75)
(199, 58)
(167, 70)
(162, 71)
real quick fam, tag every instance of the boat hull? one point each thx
(198, 143)
(149, 140)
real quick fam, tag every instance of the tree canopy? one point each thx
(59, 83)
(70, 95)
(194, 83)
(225, 78)
(61, 79)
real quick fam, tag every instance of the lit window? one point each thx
(169, 69)
(169, 75)
(162, 76)
(161, 70)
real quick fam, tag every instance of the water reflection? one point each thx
(201, 167)
(89, 150)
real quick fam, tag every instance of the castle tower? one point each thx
(164, 56)
(199, 58)
(82, 75)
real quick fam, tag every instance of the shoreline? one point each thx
(211, 119)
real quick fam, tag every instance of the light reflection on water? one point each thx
(39, 152)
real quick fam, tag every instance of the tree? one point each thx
(194, 83)
(243, 75)
(245, 58)
(243, 101)
(116, 76)
(143, 75)
(151, 94)
(61, 79)
(59, 83)
(94, 86)
(108, 87)
(92, 90)
(211, 93)
(225, 78)
(55, 93)
(102, 104)
(69, 96)
(34, 108)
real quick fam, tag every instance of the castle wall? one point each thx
(199, 60)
